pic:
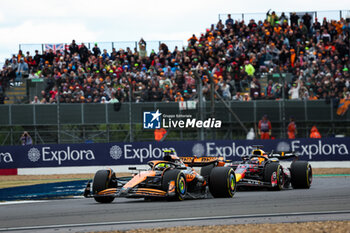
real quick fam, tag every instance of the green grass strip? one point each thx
(330, 175)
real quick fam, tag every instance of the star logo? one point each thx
(156, 115)
(151, 120)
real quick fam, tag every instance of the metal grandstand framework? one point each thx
(329, 14)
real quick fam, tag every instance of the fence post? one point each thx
(254, 106)
(11, 138)
(340, 14)
(332, 117)
(107, 122)
(305, 108)
(281, 117)
(332, 114)
(306, 118)
(10, 114)
(42, 48)
(20, 46)
(130, 120)
(58, 122)
(10, 123)
(112, 45)
(82, 113)
(34, 115)
(242, 17)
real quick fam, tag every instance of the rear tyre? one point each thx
(206, 170)
(222, 182)
(180, 185)
(301, 174)
(273, 173)
(101, 182)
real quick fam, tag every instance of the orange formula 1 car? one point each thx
(263, 169)
(173, 178)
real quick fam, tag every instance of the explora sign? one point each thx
(109, 154)
(319, 148)
(315, 149)
(6, 158)
(59, 156)
(141, 154)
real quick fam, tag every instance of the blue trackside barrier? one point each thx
(43, 191)
(94, 154)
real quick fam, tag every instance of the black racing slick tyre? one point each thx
(301, 175)
(222, 182)
(206, 170)
(101, 182)
(273, 174)
(180, 184)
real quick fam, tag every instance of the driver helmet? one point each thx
(161, 166)
(169, 155)
(255, 160)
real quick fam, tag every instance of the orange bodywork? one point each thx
(202, 160)
(131, 189)
(107, 191)
(144, 191)
(171, 186)
(190, 177)
(138, 178)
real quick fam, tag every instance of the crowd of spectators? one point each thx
(230, 55)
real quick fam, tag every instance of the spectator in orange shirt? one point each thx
(292, 128)
(193, 39)
(314, 133)
(344, 104)
(159, 134)
(179, 97)
(312, 96)
(264, 128)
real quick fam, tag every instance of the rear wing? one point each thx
(203, 161)
(284, 155)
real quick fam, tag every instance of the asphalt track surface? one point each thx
(327, 199)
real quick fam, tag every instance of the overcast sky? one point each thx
(53, 21)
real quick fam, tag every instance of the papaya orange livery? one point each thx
(173, 178)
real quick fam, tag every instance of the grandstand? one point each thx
(290, 57)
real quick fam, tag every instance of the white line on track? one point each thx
(175, 220)
(19, 202)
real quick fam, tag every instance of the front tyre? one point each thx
(301, 175)
(101, 182)
(222, 182)
(273, 174)
(180, 184)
